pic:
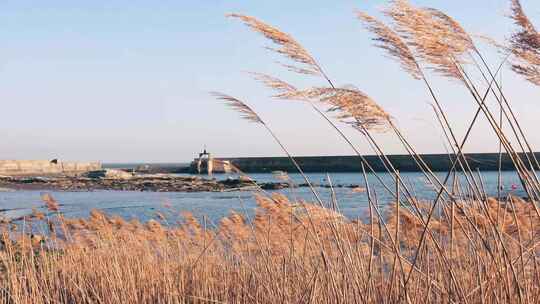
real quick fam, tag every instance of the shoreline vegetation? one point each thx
(461, 247)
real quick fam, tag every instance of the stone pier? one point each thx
(404, 163)
(45, 167)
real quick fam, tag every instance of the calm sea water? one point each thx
(144, 205)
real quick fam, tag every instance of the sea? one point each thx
(212, 206)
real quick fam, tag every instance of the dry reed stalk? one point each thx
(510, 116)
(456, 26)
(468, 84)
(356, 109)
(372, 229)
(427, 228)
(349, 101)
(293, 49)
(526, 180)
(520, 240)
(398, 244)
(397, 48)
(437, 38)
(393, 42)
(366, 113)
(250, 115)
(508, 112)
(288, 92)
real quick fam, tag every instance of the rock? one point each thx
(233, 183)
(274, 186)
(32, 180)
(95, 174)
(109, 174)
(118, 174)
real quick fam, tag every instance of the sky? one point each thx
(129, 81)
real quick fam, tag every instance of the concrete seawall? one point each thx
(45, 167)
(404, 163)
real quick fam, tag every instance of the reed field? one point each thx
(461, 247)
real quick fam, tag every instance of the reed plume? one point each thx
(287, 46)
(245, 111)
(456, 37)
(387, 39)
(353, 106)
(436, 38)
(351, 103)
(284, 90)
(525, 45)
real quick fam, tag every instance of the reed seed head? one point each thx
(287, 46)
(437, 39)
(353, 106)
(386, 39)
(525, 45)
(245, 111)
(284, 89)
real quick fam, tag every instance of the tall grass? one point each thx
(275, 257)
(461, 247)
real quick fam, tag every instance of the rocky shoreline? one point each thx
(143, 182)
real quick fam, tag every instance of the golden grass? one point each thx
(279, 256)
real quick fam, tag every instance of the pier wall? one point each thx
(404, 163)
(45, 167)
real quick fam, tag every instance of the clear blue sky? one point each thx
(121, 81)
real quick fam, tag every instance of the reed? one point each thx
(109, 260)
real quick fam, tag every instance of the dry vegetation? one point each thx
(461, 247)
(287, 253)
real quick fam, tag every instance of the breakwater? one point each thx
(45, 167)
(404, 163)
